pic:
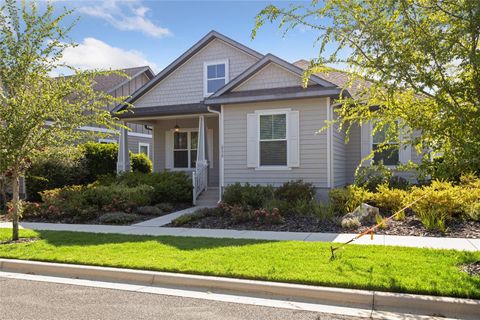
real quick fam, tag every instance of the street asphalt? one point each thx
(23, 299)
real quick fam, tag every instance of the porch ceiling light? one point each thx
(177, 128)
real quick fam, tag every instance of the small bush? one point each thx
(247, 195)
(294, 191)
(100, 159)
(372, 176)
(472, 211)
(436, 204)
(345, 200)
(117, 218)
(169, 186)
(281, 205)
(141, 163)
(55, 168)
(238, 213)
(266, 217)
(303, 207)
(199, 214)
(149, 211)
(390, 200)
(323, 211)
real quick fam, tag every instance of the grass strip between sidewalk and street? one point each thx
(385, 268)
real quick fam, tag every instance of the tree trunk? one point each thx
(15, 205)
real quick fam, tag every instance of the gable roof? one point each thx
(111, 82)
(338, 77)
(212, 35)
(267, 59)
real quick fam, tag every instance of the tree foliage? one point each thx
(36, 110)
(417, 61)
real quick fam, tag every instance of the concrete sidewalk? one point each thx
(139, 229)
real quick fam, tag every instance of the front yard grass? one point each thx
(399, 269)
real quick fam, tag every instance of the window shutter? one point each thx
(168, 149)
(252, 140)
(293, 139)
(366, 141)
(405, 152)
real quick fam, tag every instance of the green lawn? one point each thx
(398, 269)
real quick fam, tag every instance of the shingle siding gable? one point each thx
(271, 76)
(185, 84)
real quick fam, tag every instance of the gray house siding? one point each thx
(159, 150)
(185, 84)
(313, 147)
(353, 153)
(339, 156)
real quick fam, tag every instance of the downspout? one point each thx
(220, 151)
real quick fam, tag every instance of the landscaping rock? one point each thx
(363, 214)
(149, 211)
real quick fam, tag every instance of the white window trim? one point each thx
(205, 79)
(189, 131)
(404, 151)
(144, 144)
(268, 112)
(107, 141)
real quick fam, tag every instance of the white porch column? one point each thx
(123, 162)
(201, 150)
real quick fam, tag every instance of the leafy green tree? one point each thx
(36, 110)
(418, 61)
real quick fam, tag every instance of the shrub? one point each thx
(117, 197)
(200, 213)
(165, 207)
(436, 204)
(141, 163)
(266, 217)
(472, 211)
(281, 205)
(294, 191)
(345, 200)
(372, 176)
(323, 211)
(238, 212)
(149, 211)
(303, 207)
(100, 159)
(247, 195)
(117, 218)
(169, 186)
(390, 200)
(56, 168)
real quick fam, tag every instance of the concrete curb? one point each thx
(364, 299)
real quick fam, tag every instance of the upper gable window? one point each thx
(215, 76)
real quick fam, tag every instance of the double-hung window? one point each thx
(273, 139)
(144, 148)
(215, 76)
(185, 149)
(385, 151)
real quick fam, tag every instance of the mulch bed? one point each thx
(140, 218)
(472, 269)
(411, 226)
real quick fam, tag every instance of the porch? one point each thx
(187, 143)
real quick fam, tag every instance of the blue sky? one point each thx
(135, 32)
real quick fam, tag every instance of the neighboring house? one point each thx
(229, 114)
(140, 135)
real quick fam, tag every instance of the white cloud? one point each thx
(96, 54)
(129, 15)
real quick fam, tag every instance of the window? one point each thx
(273, 139)
(389, 154)
(215, 76)
(144, 148)
(107, 141)
(185, 149)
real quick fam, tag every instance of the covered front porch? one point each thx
(188, 143)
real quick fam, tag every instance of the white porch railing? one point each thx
(199, 180)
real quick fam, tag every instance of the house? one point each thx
(139, 135)
(227, 113)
